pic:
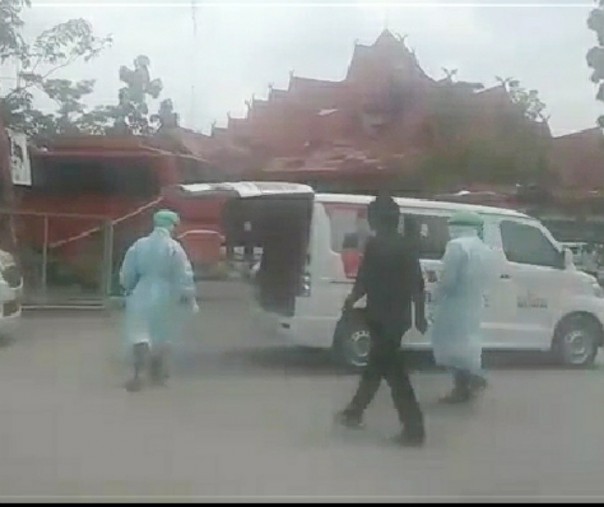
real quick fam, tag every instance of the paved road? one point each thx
(244, 418)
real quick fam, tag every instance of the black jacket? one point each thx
(391, 278)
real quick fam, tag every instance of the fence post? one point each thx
(108, 261)
(45, 260)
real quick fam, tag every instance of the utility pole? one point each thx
(194, 63)
(385, 18)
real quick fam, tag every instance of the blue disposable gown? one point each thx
(157, 277)
(459, 303)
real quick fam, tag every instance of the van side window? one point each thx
(526, 244)
(349, 227)
(429, 233)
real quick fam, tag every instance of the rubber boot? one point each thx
(158, 370)
(462, 391)
(478, 383)
(140, 354)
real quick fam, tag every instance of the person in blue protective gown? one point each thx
(157, 277)
(459, 299)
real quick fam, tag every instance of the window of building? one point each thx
(135, 178)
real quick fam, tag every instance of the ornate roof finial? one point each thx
(291, 73)
(401, 38)
(271, 86)
(228, 115)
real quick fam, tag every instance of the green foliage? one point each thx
(528, 101)
(479, 162)
(166, 118)
(49, 52)
(595, 56)
(55, 49)
(132, 112)
(512, 150)
(11, 40)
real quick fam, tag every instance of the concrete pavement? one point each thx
(243, 418)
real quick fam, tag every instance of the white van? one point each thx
(311, 245)
(539, 300)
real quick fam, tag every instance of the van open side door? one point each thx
(275, 217)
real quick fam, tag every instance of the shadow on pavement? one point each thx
(265, 360)
(317, 362)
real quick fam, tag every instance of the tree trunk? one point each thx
(7, 197)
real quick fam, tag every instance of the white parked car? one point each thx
(11, 289)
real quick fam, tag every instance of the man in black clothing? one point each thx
(391, 278)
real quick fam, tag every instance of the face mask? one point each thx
(169, 228)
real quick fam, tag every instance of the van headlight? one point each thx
(6, 258)
(305, 287)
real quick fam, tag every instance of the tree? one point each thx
(7, 230)
(68, 97)
(39, 60)
(528, 100)
(165, 118)
(595, 56)
(132, 112)
(507, 147)
(452, 106)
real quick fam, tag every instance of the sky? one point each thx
(241, 47)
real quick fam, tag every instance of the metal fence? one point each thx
(67, 260)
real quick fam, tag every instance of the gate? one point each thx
(66, 259)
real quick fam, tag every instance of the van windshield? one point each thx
(350, 230)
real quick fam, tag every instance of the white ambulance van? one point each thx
(312, 244)
(538, 300)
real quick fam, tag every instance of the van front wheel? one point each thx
(351, 343)
(576, 341)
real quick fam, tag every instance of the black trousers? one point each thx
(386, 361)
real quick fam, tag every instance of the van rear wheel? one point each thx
(576, 342)
(352, 343)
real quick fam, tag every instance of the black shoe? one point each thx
(456, 396)
(349, 419)
(478, 383)
(157, 373)
(408, 439)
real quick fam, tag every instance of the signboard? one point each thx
(19, 158)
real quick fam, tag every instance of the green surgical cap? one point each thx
(166, 218)
(466, 218)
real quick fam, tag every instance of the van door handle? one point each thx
(505, 276)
